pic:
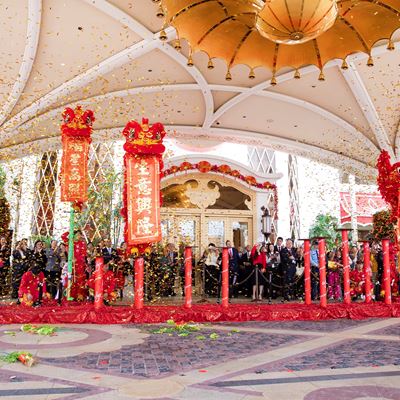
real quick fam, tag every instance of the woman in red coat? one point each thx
(259, 258)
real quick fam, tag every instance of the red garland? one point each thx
(389, 182)
(205, 166)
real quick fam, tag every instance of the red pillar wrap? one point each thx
(367, 272)
(346, 267)
(139, 273)
(188, 277)
(225, 278)
(307, 272)
(322, 273)
(98, 283)
(386, 271)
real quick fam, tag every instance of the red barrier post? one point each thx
(98, 283)
(138, 292)
(367, 272)
(322, 272)
(188, 277)
(225, 278)
(307, 272)
(346, 267)
(386, 271)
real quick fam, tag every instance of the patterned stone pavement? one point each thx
(162, 355)
(338, 359)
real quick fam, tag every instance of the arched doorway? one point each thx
(199, 209)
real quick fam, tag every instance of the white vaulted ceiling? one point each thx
(106, 55)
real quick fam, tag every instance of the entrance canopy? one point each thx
(107, 56)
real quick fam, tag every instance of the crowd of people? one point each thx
(270, 271)
(31, 275)
(263, 271)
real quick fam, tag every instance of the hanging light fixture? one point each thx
(296, 21)
(279, 33)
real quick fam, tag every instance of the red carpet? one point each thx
(85, 314)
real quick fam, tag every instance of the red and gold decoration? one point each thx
(278, 33)
(389, 187)
(76, 138)
(142, 198)
(224, 169)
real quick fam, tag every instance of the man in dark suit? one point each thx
(288, 264)
(109, 253)
(245, 270)
(279, 245)
(233, 268)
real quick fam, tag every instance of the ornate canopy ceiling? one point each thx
(107, 56)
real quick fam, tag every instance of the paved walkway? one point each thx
(328, 360)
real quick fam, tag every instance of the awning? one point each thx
(367, 204)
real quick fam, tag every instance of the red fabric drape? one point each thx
(81, 314)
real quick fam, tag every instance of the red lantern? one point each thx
(251, 180)
(235, 173)
(224, 169)
(185, 166)
(204, 166)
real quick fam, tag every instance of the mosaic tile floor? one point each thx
(326, 360)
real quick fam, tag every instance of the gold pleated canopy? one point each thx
(282, 33)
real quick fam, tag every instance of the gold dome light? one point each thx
(281, 33)
(296, 21)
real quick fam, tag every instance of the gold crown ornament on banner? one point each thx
(280, 33)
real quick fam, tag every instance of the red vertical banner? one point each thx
(225, 278)
(346, 267)
(322, 272)
(76, 138)
(188, 277)
(307, 272)
(98, 283)
(141, 195)
(143, 199)
(139, 286)
(74, 170)
(367, 272)
(386, 271)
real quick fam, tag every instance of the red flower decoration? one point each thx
(204, 166)
(185, 166)
(251, 180)
(224, 169)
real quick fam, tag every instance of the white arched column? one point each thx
(61, 208)
(282, 184)
(27, 201)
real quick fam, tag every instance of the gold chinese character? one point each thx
(143, 168)
(74, 187)
(143, 204)
(77, 146)
(75, 158)
(144, 226)
(144, 187)
(75, 175)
